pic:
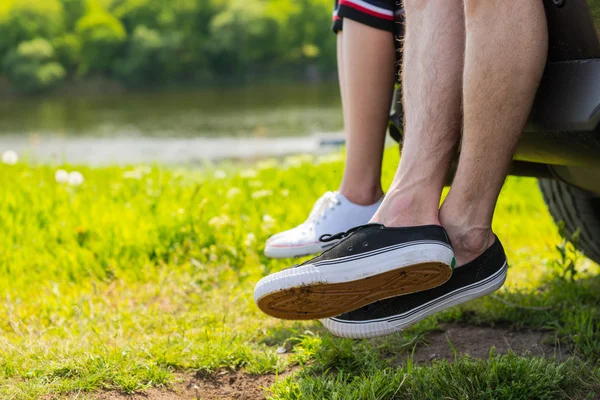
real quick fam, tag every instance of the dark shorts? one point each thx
(380, 14)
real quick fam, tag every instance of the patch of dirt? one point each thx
(477, 341)
(224, 385)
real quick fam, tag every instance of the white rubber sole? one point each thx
(387, 326)
(310, 290)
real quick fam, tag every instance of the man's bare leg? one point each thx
(366, 67)
(506, 49)
(432, 82)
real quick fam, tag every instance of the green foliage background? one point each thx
(157, 42)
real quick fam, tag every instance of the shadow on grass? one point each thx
(570, 310)
(556, 328)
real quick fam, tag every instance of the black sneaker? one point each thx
(371, 263)
(478, 278)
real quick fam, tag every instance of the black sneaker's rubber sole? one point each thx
(396, 323)
(324, 300)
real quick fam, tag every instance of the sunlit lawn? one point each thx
(143, 272)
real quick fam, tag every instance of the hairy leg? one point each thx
(366, 66)
(506, 49)
(432, 85)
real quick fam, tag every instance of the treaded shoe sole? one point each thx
(396, 323)
(329, 288)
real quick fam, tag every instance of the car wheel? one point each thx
(578, 209)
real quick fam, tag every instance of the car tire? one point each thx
(578, 209)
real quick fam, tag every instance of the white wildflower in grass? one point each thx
(297, 161)
(268, 222)
(61, 176)
(219, 221)
(266, 164)
(233, 192)
(248, 173)
(178, 172)
(261, 193)
(75, 178)
(220, 174)
(250, 240)
(285, 193)
(255, 184)
(330, 158)
(10, 157)
(133, 174)
(290, 162)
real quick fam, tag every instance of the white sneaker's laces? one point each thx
(322, 207)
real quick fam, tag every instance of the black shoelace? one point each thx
(341, 235)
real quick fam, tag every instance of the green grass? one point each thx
(144, 272)
(500, 377)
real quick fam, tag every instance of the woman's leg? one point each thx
(366, 68)
(366, 64)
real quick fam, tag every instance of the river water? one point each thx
(174, 126)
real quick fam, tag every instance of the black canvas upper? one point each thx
(372, 237)
(477, 271)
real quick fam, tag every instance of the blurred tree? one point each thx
(68, 51)
(305, 27)
(102, 38)
(183, 28)
(32, 66)
(146, 57)
(73, 11)
(22, 20)
(242, 35)
(145, 42)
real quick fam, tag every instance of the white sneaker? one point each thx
(331, 214)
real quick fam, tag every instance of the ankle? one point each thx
(469, 227)
(365, 195)
(468, 241)
(407, 208)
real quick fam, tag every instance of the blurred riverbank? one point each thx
(174, 126)
(172, 151)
